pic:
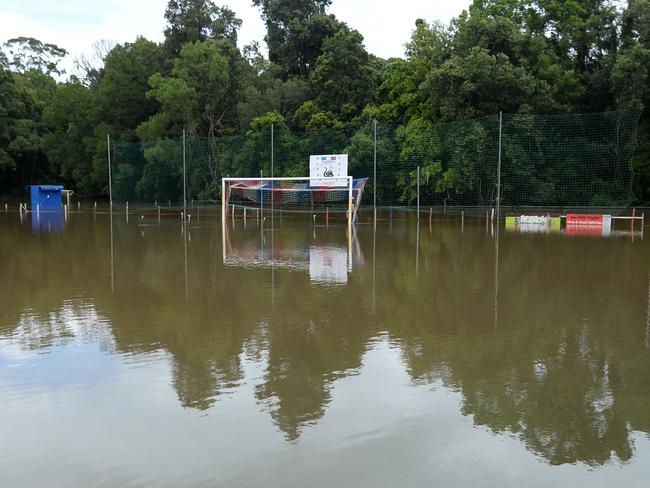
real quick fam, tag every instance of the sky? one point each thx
(75, 24)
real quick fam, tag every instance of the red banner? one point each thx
(584, 219)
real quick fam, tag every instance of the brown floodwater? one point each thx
(138, 354)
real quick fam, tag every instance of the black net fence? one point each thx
(526, 160)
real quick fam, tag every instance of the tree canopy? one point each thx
(521, 57)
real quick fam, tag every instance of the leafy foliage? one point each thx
(321, 90)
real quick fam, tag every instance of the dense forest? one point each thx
(521, 57)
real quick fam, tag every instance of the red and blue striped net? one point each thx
(294, 192)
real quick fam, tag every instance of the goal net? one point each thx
(303, 194)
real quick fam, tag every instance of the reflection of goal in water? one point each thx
(325, 261)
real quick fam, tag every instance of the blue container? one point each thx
(46, 198)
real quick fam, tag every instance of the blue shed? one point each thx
(46, 198)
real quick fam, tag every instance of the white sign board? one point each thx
(328, 264)
(329, 166)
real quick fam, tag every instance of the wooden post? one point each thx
(158, 213)
(632, 221)
(430, 215)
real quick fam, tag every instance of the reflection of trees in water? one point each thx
(550, 372)
(308, 348)
(564, 369)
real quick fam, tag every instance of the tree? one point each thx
(481, 84)
(194, 97)
(70, 145)
(344, 78)
(27, 53)
(296, 30)
(89, 68)
(419, 146)
(121, 95)
(399, 92)
(189, 21)
(285, 97)
(22, 159)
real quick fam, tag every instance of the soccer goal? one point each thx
(314, 195)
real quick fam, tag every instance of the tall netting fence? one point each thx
(525, 160)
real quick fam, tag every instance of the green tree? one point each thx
(189, 21)
(70, 145)
(23, 98)
(121, 95)
(419, 146)
(23, 54)
(480, 83)
(344, 78)
(296, 30)
(194, 97)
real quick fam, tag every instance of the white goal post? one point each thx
(294, 191)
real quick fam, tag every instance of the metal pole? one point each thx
(374, 176)
(272, 202)
(418, 183)
(261, 199)
(184, 179)
(110, 181)
(499, 168)
(350, 183)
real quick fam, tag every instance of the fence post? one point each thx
(418, 183)
(499, 168)
(110, 182)
(184, 178)
(272, 173)
(374, 166)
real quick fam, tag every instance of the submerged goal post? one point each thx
(302, 193)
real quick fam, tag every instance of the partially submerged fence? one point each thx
(516, 160)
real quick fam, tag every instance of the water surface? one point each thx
(137, 354)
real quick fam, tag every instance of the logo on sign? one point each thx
(333, 168)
